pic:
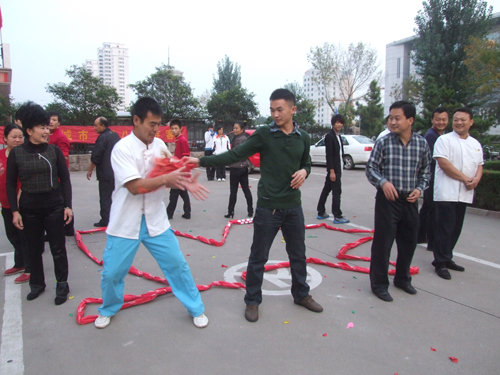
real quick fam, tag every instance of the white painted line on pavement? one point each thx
(485, 262)
(6, 254)
(11, 348)
(460, 255)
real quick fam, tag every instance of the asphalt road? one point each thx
(458, 318)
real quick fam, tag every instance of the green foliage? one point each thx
(487, 193)
(228, 76)
(349, 113)
(232, 105)
(229, 101)
(171, 91)
(492, 165)
(84, 98)
(444, 28)
(7, 109)
(371, 115)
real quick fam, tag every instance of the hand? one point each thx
(298, 179)
(176, 179)
(191, 160)
(333, 177)
(89, 175)
(413, 196)
(472, 183)
(17, 220)
(68, 215)
(390, 191)
(198, 191)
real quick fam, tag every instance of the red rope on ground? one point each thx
(134, 300)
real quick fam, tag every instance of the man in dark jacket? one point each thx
(334, 166)
(101, 160)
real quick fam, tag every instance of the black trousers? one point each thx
(393, 220)
(336, 188)
(450, 220)
(220, 172)
(236, 177)
(106, 188)
(210, 170)
(16, 238)
(427, 217)
(37, 221)
(174, 196)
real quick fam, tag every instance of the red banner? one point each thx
(87, 134)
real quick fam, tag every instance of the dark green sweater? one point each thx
(281, 155)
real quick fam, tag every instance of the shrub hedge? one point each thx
(493, 165)
(487, 194)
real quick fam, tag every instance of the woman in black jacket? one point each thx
(43, 174)
(239, 173)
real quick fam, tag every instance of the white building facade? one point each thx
(113, 67)
(315, 92)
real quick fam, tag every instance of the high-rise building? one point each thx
(112, 66)
(315, 92)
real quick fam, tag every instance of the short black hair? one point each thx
(338, 118)
(285, 94)
(8, 128)
(54, 113)
(408, 108)
(219, 128)
(240, 123)
(22, 110)
(466, 110)
(176, 121)
(103, 121)
(210, 126)
(35, 115)
(144, 105)
(440, 110)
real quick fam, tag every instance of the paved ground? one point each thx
(459, 318)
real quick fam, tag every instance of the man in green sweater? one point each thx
(284, 167)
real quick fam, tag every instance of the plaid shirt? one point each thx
(406, 167)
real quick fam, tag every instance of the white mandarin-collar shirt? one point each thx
(466, 155)
(132, 159)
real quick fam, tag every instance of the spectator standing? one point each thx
(101, 161)
(221, 145)
(181, 150)
(334, 167)
(459, 169)
(427, 215)
(399, 168)
(209, 149)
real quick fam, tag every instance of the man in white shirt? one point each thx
(459, 169)
(138, 215)
(210, 135)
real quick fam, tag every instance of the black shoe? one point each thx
(430, 248)
(252, 313)
(443, 272)
(60, 300)
(451, 265)
(34, 295)
(384, 296)
(310, 304)
(186, 216)
(229, 215)
(100, 224)
(408, 288)
(250, 213)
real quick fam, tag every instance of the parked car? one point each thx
(357, 150)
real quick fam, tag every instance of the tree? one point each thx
(343, 72)
(171, 91)
(228, 76)
(371, 115)
(229, 101)
(443, 30)
(7, 109)
(84, 98)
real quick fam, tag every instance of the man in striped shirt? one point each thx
(399, 168)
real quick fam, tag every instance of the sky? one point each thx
(270, 40)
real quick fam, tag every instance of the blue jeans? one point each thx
(119, 255)
(266, 223)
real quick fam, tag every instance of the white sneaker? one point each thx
(102, 321)
(218, 179)
(201, 321)
(223, 179)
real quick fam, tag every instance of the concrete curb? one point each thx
(480, 212)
